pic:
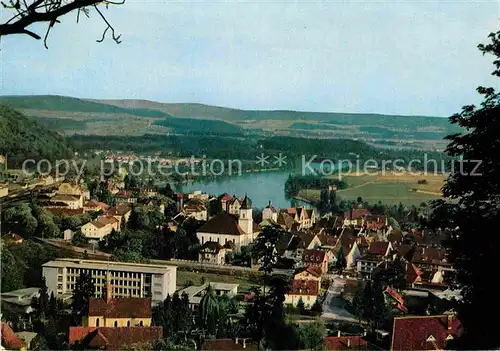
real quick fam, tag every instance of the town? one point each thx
(249, 175)
(136, 264)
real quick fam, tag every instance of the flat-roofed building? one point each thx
(128, 279)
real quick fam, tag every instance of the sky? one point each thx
(391, 57)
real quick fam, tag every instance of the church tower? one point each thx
(245, 220)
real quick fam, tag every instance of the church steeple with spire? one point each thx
(245, 220)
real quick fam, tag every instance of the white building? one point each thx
(270, 213)
(128, 279)
(226, 227)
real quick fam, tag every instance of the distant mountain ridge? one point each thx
(138, 117)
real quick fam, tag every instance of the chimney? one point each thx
(236, 341)
(450, 322)
(348, 342)
(108, 288)
(350, 213)
(338, 333)
(244, 343)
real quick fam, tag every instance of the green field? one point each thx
(389, 189)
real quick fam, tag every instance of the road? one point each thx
(333, 306)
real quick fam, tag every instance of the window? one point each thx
(128, 323)
(116, 323)
(97, 322)
(140, 324)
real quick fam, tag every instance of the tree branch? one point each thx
(30, 16)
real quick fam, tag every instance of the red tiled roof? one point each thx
(313, 256)
(180, 195)
(65, 211)
(304, 287)
(312, 270)
(394, 294)
(119, 210)
(223, 223)
(121, 308)
(423, 332)
(315, 271)
(97, 204)
(412, 273)
(378, 248)
(226, 197)
(10, 340)
(107, 220)
(227, 344)
(357, 213)
(291, 210)
(429, 255)
(112, 338)
(333, 343)
(124, 194)
(327, 240)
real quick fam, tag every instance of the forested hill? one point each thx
(70, 115)
(22, 138)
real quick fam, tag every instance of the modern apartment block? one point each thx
(128, 279)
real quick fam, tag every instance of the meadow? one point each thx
(389, 188)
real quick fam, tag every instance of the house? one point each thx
(10, 341)
(148, 192)
(4, 190)
(196, 293)
(196, 209)
(351, 342)
(413, 274)
(28, 338)
(308, 273)
(431, 258)
(348, 241)
(198, 195)
(100, 227)
(300, 216)
(227, 227)
(395, 237)
(375, 223)
(305, 290)
(58, 211)
(292, 245)
(72, 188)
(95, 206)
(394, 298)
(224, 201)
(123, 196)
(424, 332)
(12, 238)
(285, 220)
(316, 258)
(228, 344)
(270, 213)
(118, 312)
(212, 252)
(356, 217)
(121, 212)
(72, 202)
(110, 338)
(377, 252)
(234, 205)
(19, 301)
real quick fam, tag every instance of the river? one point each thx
(261, 187)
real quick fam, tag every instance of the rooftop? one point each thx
(109, 265)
